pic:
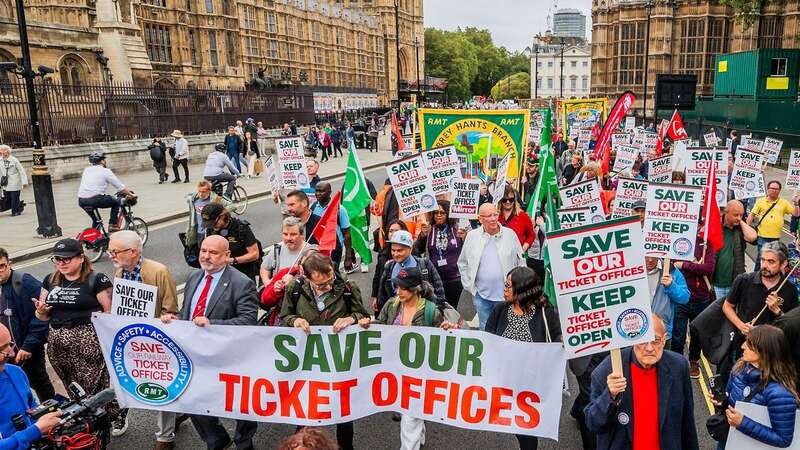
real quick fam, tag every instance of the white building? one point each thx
(546, 72)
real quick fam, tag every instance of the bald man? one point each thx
(730, 260)
(16, 398)
(218, 294)
(489, 253)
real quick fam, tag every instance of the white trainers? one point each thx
(364, 268)
(120, 424)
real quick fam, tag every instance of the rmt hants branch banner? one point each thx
(464, 378)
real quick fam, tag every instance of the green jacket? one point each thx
(391, 309)
(191, 231)
(336, 304)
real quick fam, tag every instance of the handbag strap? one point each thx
(546, 326)
(760, 219)
(753, 393)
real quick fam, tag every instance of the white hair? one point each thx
(5, 147)
(128, 238)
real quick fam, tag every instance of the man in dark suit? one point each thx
(649, 405)
(220, 295)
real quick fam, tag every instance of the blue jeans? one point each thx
(684, 314)
(234, 157)
(484, 308)
(721, 292)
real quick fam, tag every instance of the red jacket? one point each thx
(522, 225)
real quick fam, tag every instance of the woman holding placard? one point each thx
(764, 375)
(525, 315)
(442, 242)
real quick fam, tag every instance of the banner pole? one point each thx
(776, 290)
(616, 362)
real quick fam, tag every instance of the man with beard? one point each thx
(343, 244)
(125, 249)
(751, 292)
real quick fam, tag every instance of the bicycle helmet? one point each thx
(220, 148)
(97, 157)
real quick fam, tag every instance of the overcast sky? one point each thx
(513, 23)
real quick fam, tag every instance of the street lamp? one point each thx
(396, 45)
(416, 47)
(536, 71)
(648, 6)
(561, 77)
(42, 183)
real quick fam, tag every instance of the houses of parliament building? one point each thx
(340, 45)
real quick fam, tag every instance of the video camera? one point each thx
(84, 421)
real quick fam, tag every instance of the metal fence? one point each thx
(77, 114)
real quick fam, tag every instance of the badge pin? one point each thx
(7, 312)
(746, 391)
(623, 418)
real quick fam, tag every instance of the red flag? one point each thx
(675, 129)
(602, 149)
(712, 226)
(401, 144)
(662, 129)
(325, 231)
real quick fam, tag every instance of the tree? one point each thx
(514, 86)
(747, 11)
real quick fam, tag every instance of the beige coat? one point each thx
(156, 274)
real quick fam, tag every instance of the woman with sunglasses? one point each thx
(525, 316)
(73, 292)
(764, 375)
(513, 217)
(442, 242)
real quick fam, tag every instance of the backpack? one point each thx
(155, 153)
(430, 313)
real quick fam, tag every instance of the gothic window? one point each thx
(690, 57)
(192, 47)
(273, 50)
(209, 6)
(249, 18)
(164, 83)
(212, 48)
(716, 43)
(770, 32)
(157, 41)
(73, 75)
(226, 8)
(230, 48)
(251, 46)
(631, 53)
(272, 24)
(5, 80)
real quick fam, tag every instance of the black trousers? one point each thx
(337, 147)
(11, 200)
(538, 266)
(100, 202)
(181, 162)
(527, 442)
(161, 169)
(36, 370)
(344, 435)
(452, 292)
(216, 437)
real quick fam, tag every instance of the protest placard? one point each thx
(754, 145)
(630, 123)
(711, 139)
(412, 186)
(629, 191)
(466, 194)
(573, 217)
(793, 171)
(584, 136)
(586, 193)
(747, 169)
(759, 190)
(324, 378)
(292, 159)
(670, 225)
(405, 153)
(626, 156)
(408, 140)
(500, 180)
(700, 159)
(133, 299)
(620, 139)
(272, 175)
(443, 165)
(772, 149)
(758, 414)
(601, 286)
(660, 170)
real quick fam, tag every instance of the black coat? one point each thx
(429, 274)
(675, 405)
(253, 148)
(498, 322)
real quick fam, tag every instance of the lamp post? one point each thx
(396, 45)
(561, 77)
(416, 47)
(42, 183)
(648, 6)
(536, 71)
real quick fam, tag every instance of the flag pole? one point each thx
(712, 171)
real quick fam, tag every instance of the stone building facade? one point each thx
(347, 45)
(685, 36)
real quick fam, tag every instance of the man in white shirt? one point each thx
(181, 157)
(92, 191)
(287, 252)
(489, 253)
(214, 170)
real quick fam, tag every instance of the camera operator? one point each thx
(16, 399)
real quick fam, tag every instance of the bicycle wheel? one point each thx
(139, 226)
(94, 253)
(239, 199)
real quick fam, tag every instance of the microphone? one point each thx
(101, 398)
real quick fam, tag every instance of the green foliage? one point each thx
(469, 60)
(514, 86)
(747, 11)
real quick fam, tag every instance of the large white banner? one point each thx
(412, 186)
(292, 159)
(457, 377)
(601, 286)
(670, 224)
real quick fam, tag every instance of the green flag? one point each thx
(355, 199)
(551, 224)
(547, 184)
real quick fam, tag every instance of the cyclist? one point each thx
(215, 169)
(92, 191)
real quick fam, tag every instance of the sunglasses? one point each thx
(507, 200)
(61, 260)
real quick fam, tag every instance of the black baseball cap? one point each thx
(67, 248)
(408, 278)
(211, 213)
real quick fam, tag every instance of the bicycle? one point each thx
(95, 238)
(238, 198)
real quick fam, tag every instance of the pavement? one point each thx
(158, 203)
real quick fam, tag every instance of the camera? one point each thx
(717, 389)
(83, 420)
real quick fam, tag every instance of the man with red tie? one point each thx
(220, 295)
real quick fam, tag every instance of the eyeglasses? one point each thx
(114, 253)
(657, 342)
(4, 266)
(61, 260)
(507, 200)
